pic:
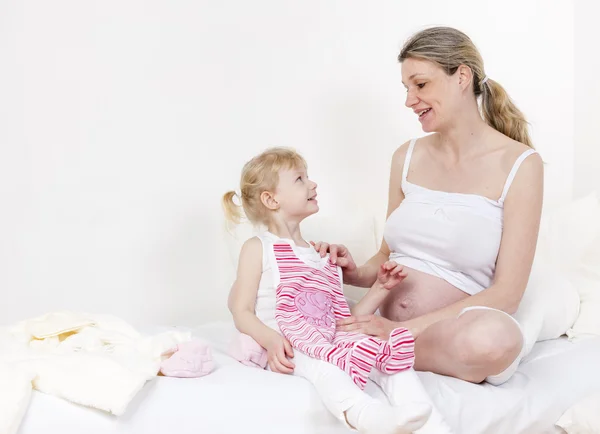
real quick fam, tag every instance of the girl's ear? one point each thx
(268, 199)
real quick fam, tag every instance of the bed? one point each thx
(562, 296)
(239, 399)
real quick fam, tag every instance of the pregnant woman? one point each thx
(463, 217)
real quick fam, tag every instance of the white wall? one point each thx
(587, 97)
(123, 122)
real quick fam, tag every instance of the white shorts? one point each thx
(505, 375)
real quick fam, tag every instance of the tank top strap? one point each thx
(272, 246)
(409, 152)
(267, 251)
(513, 172)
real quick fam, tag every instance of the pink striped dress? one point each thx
(309, 300)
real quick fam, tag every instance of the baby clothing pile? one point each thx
(98, 361)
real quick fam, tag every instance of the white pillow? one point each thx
(583, 417)
(559, 293)
(587, 281)
(567, 232)
(549, 306)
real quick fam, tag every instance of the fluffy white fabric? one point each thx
(97, 361)
(15, 392)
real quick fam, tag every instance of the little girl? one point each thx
(287, 298)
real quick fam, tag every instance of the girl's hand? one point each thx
(277, 349)
(390, 274)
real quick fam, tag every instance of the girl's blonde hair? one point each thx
(259, 175)
(450, 48)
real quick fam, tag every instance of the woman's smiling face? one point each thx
(434, 96)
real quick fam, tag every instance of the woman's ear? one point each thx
(465, 76)
(268, 199)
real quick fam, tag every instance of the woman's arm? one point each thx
(522, 214)
(389, 275)
(241, 302)
(366, 275)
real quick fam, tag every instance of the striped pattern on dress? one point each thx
(310, 300)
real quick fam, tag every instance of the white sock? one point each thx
(403, 389)
(412, 415)
(370, 416)
(435, 425)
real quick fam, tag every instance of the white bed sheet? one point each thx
(238, 399)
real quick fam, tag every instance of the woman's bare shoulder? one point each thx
(421, 143)
(510, 150)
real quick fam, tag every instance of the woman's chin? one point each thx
(428, 127)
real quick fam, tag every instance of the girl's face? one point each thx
(296, 194)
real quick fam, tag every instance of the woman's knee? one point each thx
(490, 340)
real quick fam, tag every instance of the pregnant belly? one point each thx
(418, 294)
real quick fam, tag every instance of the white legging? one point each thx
(338, 392)
(405, 387)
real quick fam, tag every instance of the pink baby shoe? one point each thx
(246, 350)
(189, 359)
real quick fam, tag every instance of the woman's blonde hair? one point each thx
(259, 175)
(450, 48)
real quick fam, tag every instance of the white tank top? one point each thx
(454, 236)
(264, 307)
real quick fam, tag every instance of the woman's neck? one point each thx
(466, 134)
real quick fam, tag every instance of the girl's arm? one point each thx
(371, 301)
(389, 275)
(366, 275)
(522, 214)
(241, 302)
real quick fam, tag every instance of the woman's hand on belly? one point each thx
(416, 295)
(378, 326)
(372, 325)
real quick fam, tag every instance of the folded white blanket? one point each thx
(98, 361)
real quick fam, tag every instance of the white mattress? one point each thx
(238, 399)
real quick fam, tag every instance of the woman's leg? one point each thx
(480, 344)
(404, 388)
(347, 402)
